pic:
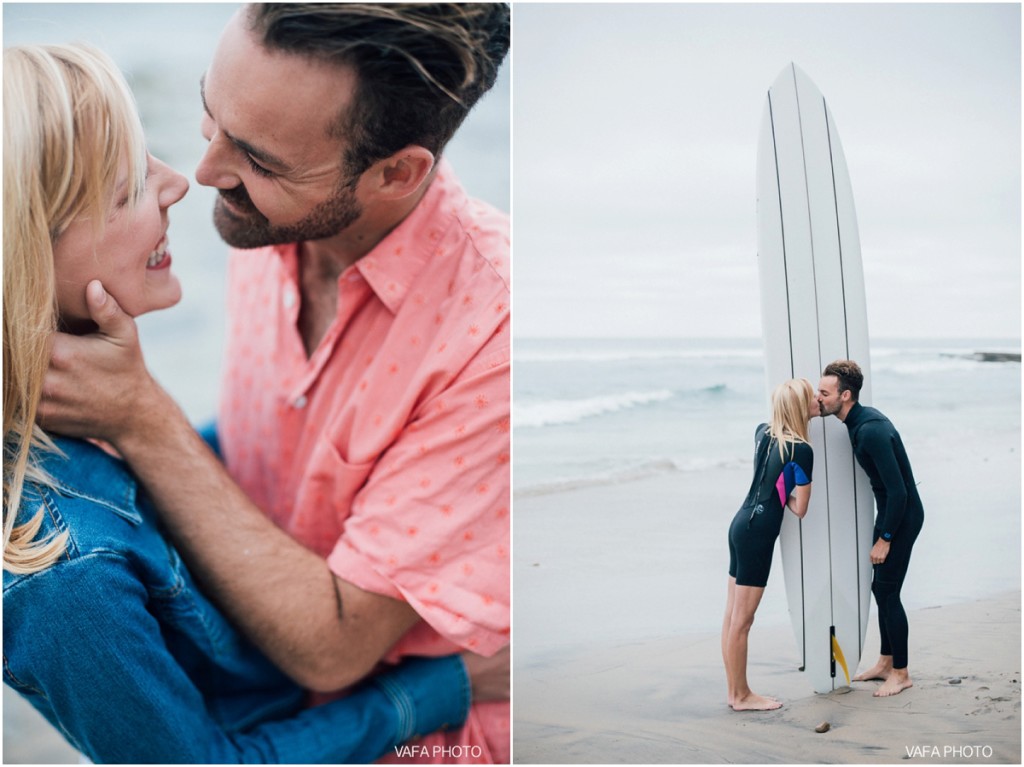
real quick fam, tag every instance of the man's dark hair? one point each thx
(848, 373)
(420, 67)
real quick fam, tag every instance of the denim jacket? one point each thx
(117, 648)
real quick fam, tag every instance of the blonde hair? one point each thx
(70, 127)
(790, 413)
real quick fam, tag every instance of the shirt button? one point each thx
(288, 299)
(300, 402)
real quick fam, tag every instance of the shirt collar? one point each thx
(392, 266)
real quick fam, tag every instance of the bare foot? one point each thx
(880, 670)
(754, 702)
(732, 699)
(895, 684)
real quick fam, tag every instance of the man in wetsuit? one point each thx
(900, 514)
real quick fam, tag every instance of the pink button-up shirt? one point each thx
(387, 451)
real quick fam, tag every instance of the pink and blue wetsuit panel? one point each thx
(791, 476)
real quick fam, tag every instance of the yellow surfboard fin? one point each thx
(837, 653)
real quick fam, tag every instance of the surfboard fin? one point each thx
(837, 654)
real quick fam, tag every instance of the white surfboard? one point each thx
(813, 311)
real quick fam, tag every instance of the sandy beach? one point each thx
(662, 701)
(619, 592)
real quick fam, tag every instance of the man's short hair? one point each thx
(420, 66)
(849, 374)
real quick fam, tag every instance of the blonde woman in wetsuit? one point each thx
(783, 461)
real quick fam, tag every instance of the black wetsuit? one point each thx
(900, 516)
(756, 525)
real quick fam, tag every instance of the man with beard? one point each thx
(361, 514)
(900, 514)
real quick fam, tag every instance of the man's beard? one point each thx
(253, 230)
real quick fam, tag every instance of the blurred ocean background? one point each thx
(164, 48)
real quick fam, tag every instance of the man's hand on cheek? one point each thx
(97, 385)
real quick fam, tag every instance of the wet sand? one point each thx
(663, 701)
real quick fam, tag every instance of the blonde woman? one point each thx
(783, 462)
(104, 630)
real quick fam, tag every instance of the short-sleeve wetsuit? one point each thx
(880, 452)
(756, 525)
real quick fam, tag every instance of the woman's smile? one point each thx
(160, 258)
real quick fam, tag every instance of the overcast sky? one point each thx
(634, 157)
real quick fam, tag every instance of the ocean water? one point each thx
(663, 429)
(591, 412)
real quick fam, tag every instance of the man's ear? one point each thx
(403, 173)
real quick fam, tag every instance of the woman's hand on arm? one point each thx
(490, 677)
(798, 501)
